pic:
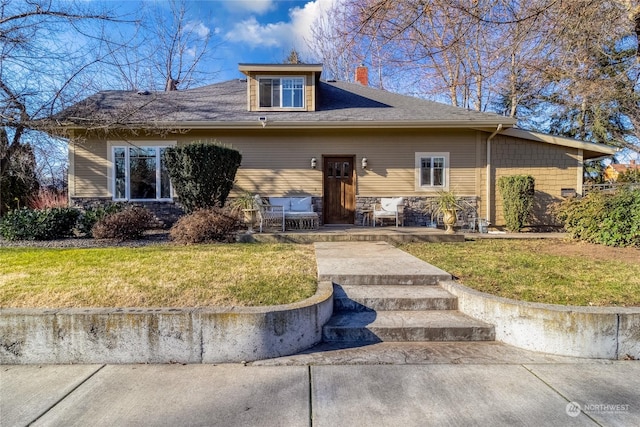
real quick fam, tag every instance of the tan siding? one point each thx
(278, 163)
(89, 174)
(553, 168)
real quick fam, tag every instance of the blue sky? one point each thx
(247, 30)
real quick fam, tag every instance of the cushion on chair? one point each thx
(391, 204)
(285, 202)
(301, 204)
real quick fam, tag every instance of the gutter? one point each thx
(489, 170)
(273, 124)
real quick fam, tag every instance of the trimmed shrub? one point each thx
(127, 224)
(517, 199)
(44, 224)
(611, 219)
(206, 225)
(202, 174)
(92, 215)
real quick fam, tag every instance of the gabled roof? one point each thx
(224, 105)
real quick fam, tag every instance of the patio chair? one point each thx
(269, 215)
(389, 208)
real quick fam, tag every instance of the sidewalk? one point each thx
(529, 394)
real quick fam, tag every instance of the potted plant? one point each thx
(447, 204)
(247, 204)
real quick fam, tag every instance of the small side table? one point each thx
(366, 217)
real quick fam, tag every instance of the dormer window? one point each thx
(281, 92)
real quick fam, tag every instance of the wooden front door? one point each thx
(339, 203)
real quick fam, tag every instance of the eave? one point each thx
(257, 124)
(591, 150)
(271, 68)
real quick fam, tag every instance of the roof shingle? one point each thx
(337, 102)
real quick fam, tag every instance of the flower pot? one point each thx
(449, 219)
(249, 218)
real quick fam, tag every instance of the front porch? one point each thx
(329, 233)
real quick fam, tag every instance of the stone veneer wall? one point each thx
(417, 210)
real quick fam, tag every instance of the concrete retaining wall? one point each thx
(206, 335)
(593, 332)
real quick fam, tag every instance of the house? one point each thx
(345, 144)
(612, 171)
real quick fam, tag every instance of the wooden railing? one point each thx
(608, 187)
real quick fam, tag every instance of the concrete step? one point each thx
(389, 297)
(399, 326)
(373, 263)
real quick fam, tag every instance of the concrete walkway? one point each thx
(531, 394)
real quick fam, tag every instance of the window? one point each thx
(281, 92)
(140, 174)
(432, 171)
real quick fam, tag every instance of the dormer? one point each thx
(281, 87)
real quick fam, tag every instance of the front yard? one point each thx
(548, 271)
(167, 275)
(157, 276)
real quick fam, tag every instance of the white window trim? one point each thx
(418, 169)
(268, 76)
(111, 146)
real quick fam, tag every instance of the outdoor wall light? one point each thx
(365, 163)
(314, 163)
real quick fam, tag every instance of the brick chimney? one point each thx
(362, 75)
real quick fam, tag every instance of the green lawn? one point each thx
(157, 276)
(548, 271)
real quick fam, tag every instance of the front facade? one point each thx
(346, 145)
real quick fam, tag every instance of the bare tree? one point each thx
(40, 70)
(167, 50)
(180, 46)
(331, 45)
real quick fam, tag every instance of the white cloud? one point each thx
(292, 33)
(253, 6)
(197, 28)
(251, 32)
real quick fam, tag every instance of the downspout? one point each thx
(489, 170)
